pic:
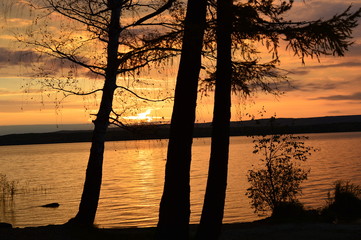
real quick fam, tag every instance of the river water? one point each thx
(133, 179)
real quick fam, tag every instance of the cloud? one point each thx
(31, 60)
(304, 70)
(354, 97)
(7, 106)
(324, 83)
(321, 66)
(320, 9)
(30, 91)
(299, 72)
(10, 57)
(335, 112)
(355, 49)
(15, 105)
(16, 22)
(6, 92)
(307, 86)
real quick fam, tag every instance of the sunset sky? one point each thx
(330, 87)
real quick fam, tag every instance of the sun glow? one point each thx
(141, 116)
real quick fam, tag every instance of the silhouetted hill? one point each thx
(160, 131)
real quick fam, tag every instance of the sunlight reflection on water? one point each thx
(133, 178)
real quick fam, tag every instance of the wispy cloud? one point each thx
(355, 49)
(316, 9)
(10, 57)
(7, 106)
(311, 86)
(304, 70)
(28, 92)
(299, 72)
(338, 65)
(13, 105)
(354, 97)
(6, 92)
(17, 22)
(335, 112)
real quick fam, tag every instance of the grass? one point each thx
(8, 188)
(344, 202)
(343, 206)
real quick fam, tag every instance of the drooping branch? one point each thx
(56, 52)
(153, 48)
(71, 92)
(144, 98)
(331, 37)
(132, 61)
(74, 59)
(75, 12)
(250, 76)
(259, 22)
(305, 38)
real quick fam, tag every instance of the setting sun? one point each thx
(141, 116)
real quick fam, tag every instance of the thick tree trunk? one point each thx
(93, 178)
(213, 208)
(174, 209)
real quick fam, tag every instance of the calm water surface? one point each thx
(133, 179)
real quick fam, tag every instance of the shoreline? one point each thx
(201, 130)
(234, 231)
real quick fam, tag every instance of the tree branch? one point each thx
(73, 92)
(144, 98)
(166, 6)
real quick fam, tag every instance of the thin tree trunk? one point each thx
(213, 208)
(93, 179)
(174, 211)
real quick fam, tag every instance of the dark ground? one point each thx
(244, 231)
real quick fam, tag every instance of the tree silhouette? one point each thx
(174, 209)
(262, 22)
(212, 213)
(278, 180)
(124, 33)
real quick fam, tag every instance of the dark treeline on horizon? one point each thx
(161, 131)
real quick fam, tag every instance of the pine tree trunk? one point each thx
(93, 178)
(174, 209)
(213, 208)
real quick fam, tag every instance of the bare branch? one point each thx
(166, 6)
(74, 92)
(75, 13)
(144, 98)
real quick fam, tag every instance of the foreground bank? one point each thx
(244, 231)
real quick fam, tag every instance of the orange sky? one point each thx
(331, 87)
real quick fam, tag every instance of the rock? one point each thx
(5, 225)
(51, 205)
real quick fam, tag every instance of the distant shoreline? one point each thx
(161, 131)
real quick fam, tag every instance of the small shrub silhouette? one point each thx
(276, 184)
(288, 210)
(344, 202)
